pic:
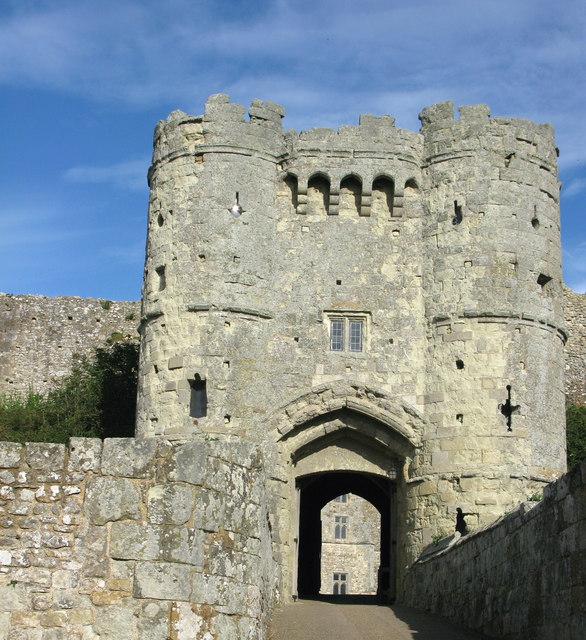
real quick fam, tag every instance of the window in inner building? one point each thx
(342, 498)
(340, 583)
(340, 527)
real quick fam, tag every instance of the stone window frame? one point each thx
(341, 527)
(340, 583)
(347, 318)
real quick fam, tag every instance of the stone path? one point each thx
(325, 620)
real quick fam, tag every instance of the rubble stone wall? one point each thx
(520, 577)
(39, 336)
(134, 539)
(575, 316)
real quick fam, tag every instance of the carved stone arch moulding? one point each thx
(387, 423)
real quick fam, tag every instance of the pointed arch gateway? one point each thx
(344, 438)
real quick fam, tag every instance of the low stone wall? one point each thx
(523, 576)
(134, 539)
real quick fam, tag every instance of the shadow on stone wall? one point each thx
(524, 576)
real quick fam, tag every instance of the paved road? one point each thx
(323, 620)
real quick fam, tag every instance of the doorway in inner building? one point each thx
(347, 534)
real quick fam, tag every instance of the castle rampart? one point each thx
(519, 577)
(134, 539)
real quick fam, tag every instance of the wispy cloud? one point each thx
(26, 229)
(574, 261)
(130, 174)
(574, 187)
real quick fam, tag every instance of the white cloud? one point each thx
(124, 175)
(27, 228)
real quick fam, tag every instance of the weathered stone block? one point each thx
(162, 581)
(45, 456)
(176, 362)
(84, 454)
(225, 594)
(149, 629)
(115, 623)
(128, 457)
(170, 503)
(10, 455)
(134, 541)
(188, 464)
(111, 499)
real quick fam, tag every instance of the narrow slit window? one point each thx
(162, 278)
(198, 404)
(458, 216)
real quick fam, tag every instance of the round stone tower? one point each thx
(207, 286)
(494, 308)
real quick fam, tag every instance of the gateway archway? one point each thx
(315, 491)
(345, 437)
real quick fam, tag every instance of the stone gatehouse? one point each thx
(379, 310)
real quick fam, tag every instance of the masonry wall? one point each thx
(39, 336)
(134, 539)
(524, 576)
(575, 316)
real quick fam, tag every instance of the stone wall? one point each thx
(575, 315)
(524, 576)
(134, 539)
(39, 336)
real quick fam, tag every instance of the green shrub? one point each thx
(576, 434)
(97, 399)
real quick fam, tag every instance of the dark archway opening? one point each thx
(316, 490)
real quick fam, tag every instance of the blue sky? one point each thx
(83, 82)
